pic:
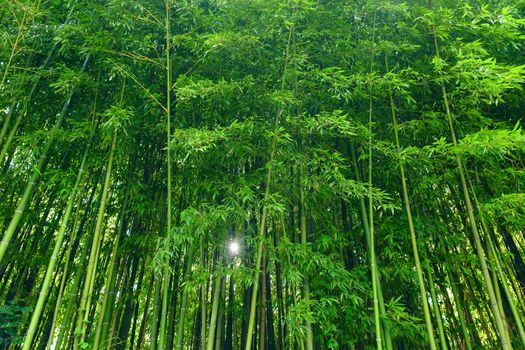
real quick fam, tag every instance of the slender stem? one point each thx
(46, 285)
(102, 327)
(184, 301)
(437, 313)
(214, 312)
(306, 286)
(166, 272)
(373, 263)
(412, 231)
(83, 311)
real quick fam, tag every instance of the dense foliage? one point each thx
(248, 174)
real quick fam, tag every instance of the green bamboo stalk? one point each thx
(411, 229)
(373, 263)
(89, 313)
(220, 321)
(115, 316)
(437, 313)
(459, 307)
(510, 299)
(101, 329)
(145, 313)
(5, 125)
(164, 307)
(498, 292)
(184, 301)
(89, 283)
(306, 287)
(106, 309)
(64, 275)
(214, 311)
(156, 305)
(166, 269)
(366, 229)
(44, 291)
(69, 312)
(262, 310)
(203, 302)
(10, 137)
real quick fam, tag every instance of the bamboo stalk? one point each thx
(411, 229)
(44, 291)
(93, 257)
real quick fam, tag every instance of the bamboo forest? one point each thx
(262, 174)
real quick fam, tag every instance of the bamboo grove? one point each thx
(248, 174)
